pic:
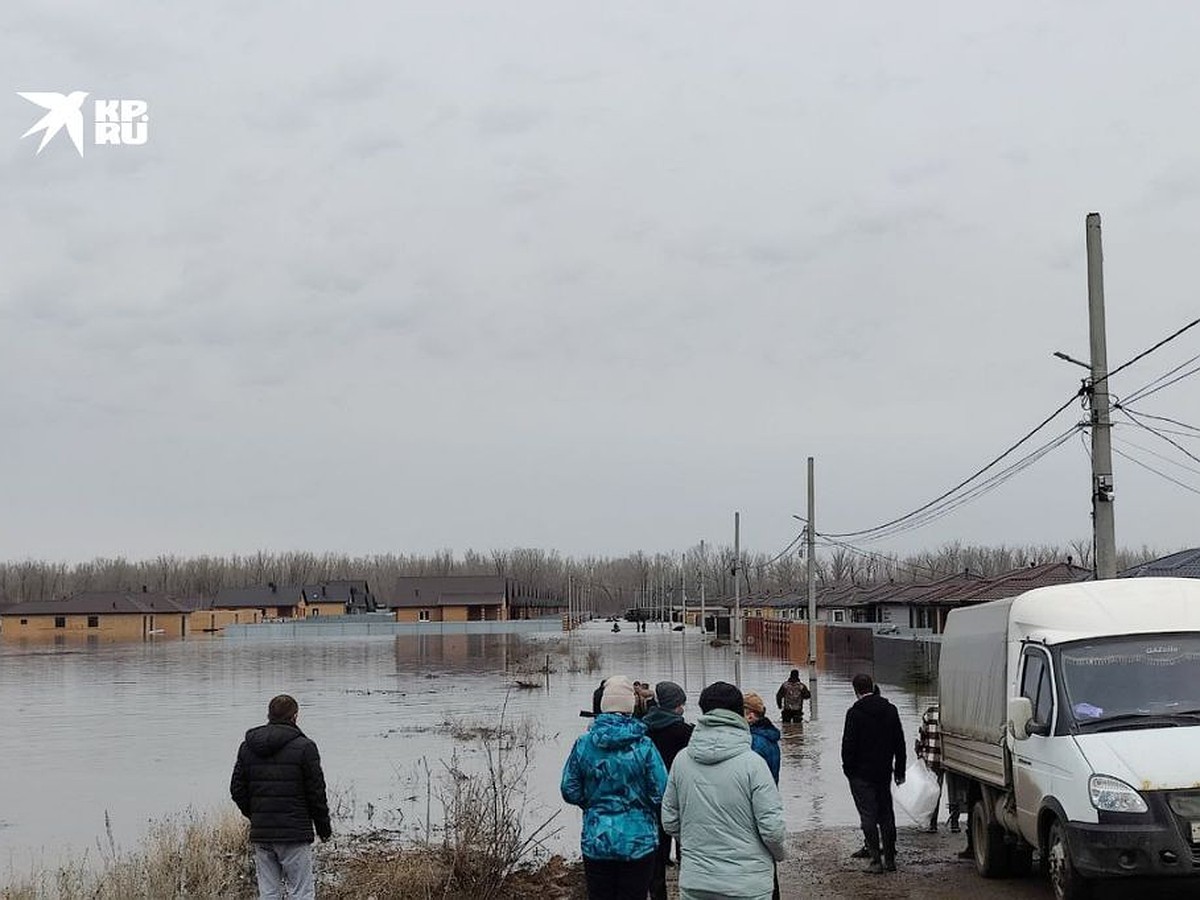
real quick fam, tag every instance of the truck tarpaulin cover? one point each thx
(972, 689)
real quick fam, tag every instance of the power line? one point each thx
(888, 560)
(1150, 388)
(1159, 434)
(1146, 415)
(920, 509)
(1150, 468)
(931, 513)
(1162, 456)
(1149, 350)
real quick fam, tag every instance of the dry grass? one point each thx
(187, 855)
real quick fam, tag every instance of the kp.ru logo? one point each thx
(119, 122)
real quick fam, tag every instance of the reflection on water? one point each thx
(143, 730)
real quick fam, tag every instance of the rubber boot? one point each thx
(875, 866)
(889, 849)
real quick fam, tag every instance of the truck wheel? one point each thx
(1066, 882)
(987, 839)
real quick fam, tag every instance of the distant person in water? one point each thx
(278, 785)
(790, 698)
(617, 777)
(670, 734)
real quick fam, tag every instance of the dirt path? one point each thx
(820, 867)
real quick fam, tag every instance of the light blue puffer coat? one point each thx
(617, 777)
(723, 804)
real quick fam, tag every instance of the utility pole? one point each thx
(737, 601)
(1103, 527)
(570, 609)
(702, 580)
(810, 529)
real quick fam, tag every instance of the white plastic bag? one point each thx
(919, 795)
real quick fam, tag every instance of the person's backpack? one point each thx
(795, 693)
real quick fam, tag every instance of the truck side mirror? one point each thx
(1020, 717)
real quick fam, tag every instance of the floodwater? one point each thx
(136, 732)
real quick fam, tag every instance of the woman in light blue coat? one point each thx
(723, 805)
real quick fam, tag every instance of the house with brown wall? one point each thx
(112, 615)
(337, 598)
(269, 601)
(448, 598)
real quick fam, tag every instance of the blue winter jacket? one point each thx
(618, 778)
(764, 739)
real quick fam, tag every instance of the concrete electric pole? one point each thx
(737, 600)
(1103, 527)
(810, 529)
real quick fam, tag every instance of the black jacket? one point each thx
(668, 732)
(873, 740)
(279, 786)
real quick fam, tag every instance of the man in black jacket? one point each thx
(670, 734)
(873, 752)
(279, 786)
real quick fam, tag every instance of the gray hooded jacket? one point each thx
(722, 803)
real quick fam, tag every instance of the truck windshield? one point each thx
(1136, 681)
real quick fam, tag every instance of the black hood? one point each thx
(267, 740)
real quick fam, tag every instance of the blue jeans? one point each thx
(278, 864)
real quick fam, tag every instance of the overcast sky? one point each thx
(404, 276)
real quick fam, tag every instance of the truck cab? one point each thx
(1094, 762)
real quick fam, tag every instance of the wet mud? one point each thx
(926, 867)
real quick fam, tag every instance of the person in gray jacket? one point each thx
(723, 805)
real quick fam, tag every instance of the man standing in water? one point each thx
(279, 786)
(872, 751)
(790, 698)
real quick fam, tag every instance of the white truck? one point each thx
(1070, 723)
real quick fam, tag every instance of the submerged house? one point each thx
(255, 604)
(449, 598)
(337, 598)
(110, 614)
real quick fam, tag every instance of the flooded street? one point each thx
(139, 731)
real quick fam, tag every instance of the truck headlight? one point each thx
(1113, 795)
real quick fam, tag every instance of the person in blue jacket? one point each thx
(764, 736)
(617, 777)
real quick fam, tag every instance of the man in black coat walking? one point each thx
(670, 734)
(873, 752)
(279, 786)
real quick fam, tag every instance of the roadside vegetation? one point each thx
(480, 838)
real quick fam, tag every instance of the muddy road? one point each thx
(820, 866)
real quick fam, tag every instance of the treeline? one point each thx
(604, 583)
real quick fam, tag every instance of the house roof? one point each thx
(1184, 564)
(91, 603)
(346, 591)
(445, 590)
(257, 596)
(1021, 580)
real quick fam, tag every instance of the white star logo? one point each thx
(65, 109)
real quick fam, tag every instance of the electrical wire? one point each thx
(930, 513)
(947, 501)
(1154, 386)
(1162, 456)
(1150, 468)
(912, 568)
(1149, 350)
(943, 496)
(1154, 431)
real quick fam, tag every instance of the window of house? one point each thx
(93, 621)
(60, 621)
(24, 621)
(839, 615)
(314, 612)
(423, 616)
